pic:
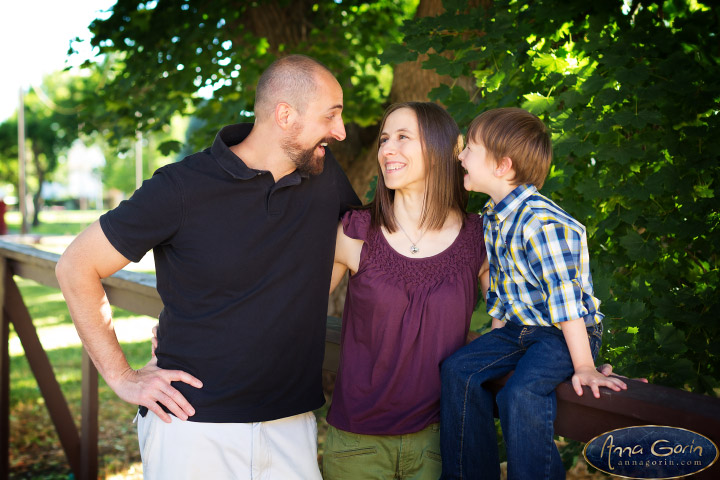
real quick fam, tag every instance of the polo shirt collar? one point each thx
(510, 203)
(231, 163)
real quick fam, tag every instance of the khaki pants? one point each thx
(413, 456)
(283, 449)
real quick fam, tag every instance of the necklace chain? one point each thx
(413, 245)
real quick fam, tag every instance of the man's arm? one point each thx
(88, 259)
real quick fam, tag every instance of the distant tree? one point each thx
(51, 125)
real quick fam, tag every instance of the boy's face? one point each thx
(480, 166)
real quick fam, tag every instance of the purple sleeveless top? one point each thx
(403, 316)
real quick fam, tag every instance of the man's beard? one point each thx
(306, 160)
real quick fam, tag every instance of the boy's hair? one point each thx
(444, 193)
(518, 134)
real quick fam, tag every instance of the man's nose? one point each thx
(338, 130)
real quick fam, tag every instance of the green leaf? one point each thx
(704, 191)
(633, 311)
(396, 53)
(549, 63)
(170, 146)
(443, 66)
(633, 243)
(670, 339)
(537, 104)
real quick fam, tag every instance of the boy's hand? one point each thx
(592, 378)
(578, 344)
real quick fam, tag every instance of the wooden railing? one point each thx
(579, 418)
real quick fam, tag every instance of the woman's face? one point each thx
(400, 151)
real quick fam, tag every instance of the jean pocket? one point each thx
(435, 456)
(354, 452)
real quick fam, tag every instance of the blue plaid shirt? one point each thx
(539, 262)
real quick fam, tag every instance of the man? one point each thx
(243, 236)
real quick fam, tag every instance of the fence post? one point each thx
(4, 379)
(89, 427)
(57, 406)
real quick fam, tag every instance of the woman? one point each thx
(414, 257)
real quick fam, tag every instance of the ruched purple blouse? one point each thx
(403, 316)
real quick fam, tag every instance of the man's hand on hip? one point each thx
(151, 384)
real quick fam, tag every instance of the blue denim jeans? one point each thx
(526, 404)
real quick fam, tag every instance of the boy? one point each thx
(546, 325)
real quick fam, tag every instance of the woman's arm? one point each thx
(347, 256)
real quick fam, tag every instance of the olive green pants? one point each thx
(351, 456)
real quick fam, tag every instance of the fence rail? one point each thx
(579, 418)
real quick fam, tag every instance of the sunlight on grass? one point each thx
(82, 218)
(130, 329)
(135, 471)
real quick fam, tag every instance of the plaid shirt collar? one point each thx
(508, 204)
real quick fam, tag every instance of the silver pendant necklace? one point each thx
(413, 245)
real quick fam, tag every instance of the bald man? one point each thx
(243, 235)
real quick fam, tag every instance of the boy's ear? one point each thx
(503, 166)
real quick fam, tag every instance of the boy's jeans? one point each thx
(541, 360)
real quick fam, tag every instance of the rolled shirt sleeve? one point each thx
(555, 256)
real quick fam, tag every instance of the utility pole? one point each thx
(22, 186)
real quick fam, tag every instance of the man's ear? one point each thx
(285, 115)
(503, 167)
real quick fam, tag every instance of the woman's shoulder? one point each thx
(474, 236)
(356, 223)
(474, 222)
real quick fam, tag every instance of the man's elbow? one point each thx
(65, 270)
(61, 269)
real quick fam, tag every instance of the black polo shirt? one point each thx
(243, 269)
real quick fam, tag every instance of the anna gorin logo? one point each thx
(651, 451)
